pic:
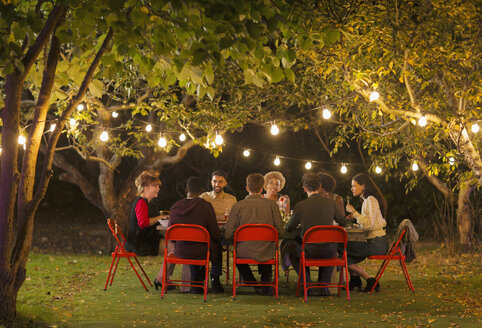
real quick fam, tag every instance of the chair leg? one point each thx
(380, 273)
(142, 269)
(110, 270)
(276, 278)
(234, 278)
(140, 279)
(115, 270)
(227, 265)
(407, 276)
(302, 263)
(206, 279)
(164, 273)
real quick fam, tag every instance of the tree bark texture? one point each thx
(464, 218)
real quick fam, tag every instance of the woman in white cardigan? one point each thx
(372, 220)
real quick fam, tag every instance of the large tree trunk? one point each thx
(464, 219)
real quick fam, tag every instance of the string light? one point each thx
(218, 140)
(475, 128)
(374, 96)
(451, 161)
(52, 127)
(104, 136)
(148, 128)
(326, 114)
(378, 169)
(80, 107)
(182, 137)
(162, 142)
(115, 114)
(246, 153)
(0, 150)
(73, 122)
(24, 146)
(308, 165)
(415, 166)
(343, 169)
(422, 121)
(277, 161)
(274, 129)
(21, 140)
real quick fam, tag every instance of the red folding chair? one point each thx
(252, 232)
(324, 234)
(119, 252)
(394, 253)
(186, 232)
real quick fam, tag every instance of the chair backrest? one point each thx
(396, 243)
(187, 232)
(325, 234)
(256, 231)
(116, 232)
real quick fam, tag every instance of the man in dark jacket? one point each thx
(194, 210)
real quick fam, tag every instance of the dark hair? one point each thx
(221, 173)
(194, 185)
(371, 189)
(328, 182)
(311, 181)
(255, 182)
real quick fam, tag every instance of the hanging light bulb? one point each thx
(415, 166)
(374, 96)
(277, 161)
(115, 114)
(308, 165)
(162, 142)
(148, 128)
(24, 146)
(21, 140)
(343, 169)
(104, 136)
(218, 140)
(422, 121)
(73, 122)
(451, 161)
(475, 128)
(182, 137)
(326, 114)
(52, 127)
(0, 150)
(378, 170)
(274, 129)
(246, 153)
(80, 107)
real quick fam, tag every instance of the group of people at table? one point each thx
(211, 209)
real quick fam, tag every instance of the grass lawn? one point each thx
(67, 291)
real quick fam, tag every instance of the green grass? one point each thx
(67, 291)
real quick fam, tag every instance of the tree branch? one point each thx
(434, 180)
(413, 98)
(323, 143)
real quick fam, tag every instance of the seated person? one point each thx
(314, 211)
(142, 236)
(195, 210)
(255, 209)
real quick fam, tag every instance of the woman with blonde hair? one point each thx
(142, 236)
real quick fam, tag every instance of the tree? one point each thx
(55, 53)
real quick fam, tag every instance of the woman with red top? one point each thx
(142, 236)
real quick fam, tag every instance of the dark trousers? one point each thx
(265, 270)
(317, 251)
(198, 272)
(217, 263)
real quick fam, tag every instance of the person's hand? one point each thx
(350, 217)
(350, 208)
(163, 217)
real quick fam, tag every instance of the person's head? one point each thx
(328, 183)
(274, 181)
(310, 182)
(148, 185)
(363, 185)
(194, 186)
(219, 180)
(254, 183)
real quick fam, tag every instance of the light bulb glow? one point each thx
(182, 137)
(274, 129)
(246, 153)
(277, 161)
(104, 136)
(374, 96)
(21, 140)
(73, 122)
(451, 161)
(326, 114)
(52, 127)
(162, 142)
(115, 114)
(218, 140)
(343, 169)
(308, 165)
(0, 150)
(415, 167)
(475, 128)
(148, 128)
(80, 107)
(378, 169)
(422, 121)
